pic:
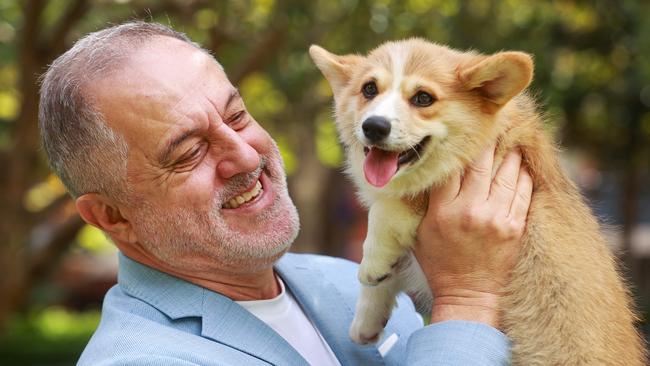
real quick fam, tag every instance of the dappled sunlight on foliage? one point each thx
(328, 149)
(289, 158)
(206, 19)
(9, 105)
(324, 91)
(94, 240)
(58, 322)
(44, 193)
(259, 11)
(262, 99)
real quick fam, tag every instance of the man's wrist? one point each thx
(468, 306)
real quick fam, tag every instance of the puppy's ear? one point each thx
(499, 77)
(336, 69)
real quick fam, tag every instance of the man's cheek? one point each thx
(198, 187)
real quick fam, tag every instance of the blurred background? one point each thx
(592, 79)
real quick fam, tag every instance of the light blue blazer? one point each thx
(151, 318)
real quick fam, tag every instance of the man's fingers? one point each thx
(523, 195)
(504, 184)
(446, 192)
(478, 176)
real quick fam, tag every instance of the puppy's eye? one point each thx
(369, 90)
(422, 99)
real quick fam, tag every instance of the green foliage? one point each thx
(588, 54)
(43, 194)
(51, 334)
(10, 18)
(290, 159)
(263, 99)
(94, 240)
(592, 76)
(328, 150)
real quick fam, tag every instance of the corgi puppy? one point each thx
(410, 114)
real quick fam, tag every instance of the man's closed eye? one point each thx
(189, 160)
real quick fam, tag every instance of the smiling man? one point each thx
(156, 146)
(206, 186)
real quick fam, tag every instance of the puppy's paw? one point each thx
(365, 331)
(373, 274)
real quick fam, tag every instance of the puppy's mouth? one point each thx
(381, 165)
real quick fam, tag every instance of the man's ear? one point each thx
(101, 212)
(336, 69)
(499, 77)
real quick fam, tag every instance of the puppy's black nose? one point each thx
(376, 128)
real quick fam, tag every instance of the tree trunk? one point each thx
(307, 190)
(14, 220)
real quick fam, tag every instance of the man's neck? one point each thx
(258, 285)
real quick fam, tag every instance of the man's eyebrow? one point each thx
(169, 148)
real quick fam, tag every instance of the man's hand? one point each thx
(470, 238)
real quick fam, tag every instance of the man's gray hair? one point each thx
(85, 153)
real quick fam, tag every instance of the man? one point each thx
(157, 148)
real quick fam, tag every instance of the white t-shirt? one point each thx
(285, 316)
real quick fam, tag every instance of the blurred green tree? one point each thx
(592, 73)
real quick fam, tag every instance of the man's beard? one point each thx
(204, 240)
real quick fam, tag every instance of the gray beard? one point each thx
(205, 241)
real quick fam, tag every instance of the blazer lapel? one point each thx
(223, 320)
(327, 308)
(228, 323)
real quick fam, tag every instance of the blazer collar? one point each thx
(223, 320)
(228, 323)
(326, 307)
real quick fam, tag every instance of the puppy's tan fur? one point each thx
(567, 305)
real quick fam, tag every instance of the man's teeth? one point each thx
(244, 197)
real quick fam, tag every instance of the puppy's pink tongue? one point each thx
(380, 166)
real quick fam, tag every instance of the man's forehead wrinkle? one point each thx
(181, 105)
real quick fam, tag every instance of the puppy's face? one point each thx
(412, 112)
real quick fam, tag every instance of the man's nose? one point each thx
(376, 128)
(239, 157)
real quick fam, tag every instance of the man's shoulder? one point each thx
(132, 331)
(129, 327)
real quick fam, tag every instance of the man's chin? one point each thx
(253, 255)
(262, 238)
(272, 215)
